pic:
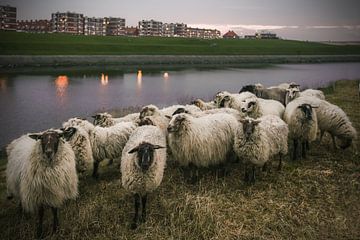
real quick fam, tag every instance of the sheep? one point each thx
(204, 105)
(106, 142)
(293, 93)
(234, 112)
(80, 143)
(302, 122)
(202, 141)
(168, 111)
(41, 173)
(275, 93)
(256, 107)
(143, 162)
(257, 140)
(106, 120)
(229, 100)
(286, 85)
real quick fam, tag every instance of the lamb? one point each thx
(302, 122)
(256, 107)
(106, 120)
(275, 93)
(106, 142)
(142, 165)
(41, 172)
(80, 143)
(256, 141)
(202, 141)
(204, 105)
(293, 93)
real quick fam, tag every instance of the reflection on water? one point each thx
(3, 84)
(61, 83)
(139, 80)
(166, 75)
(104, 79)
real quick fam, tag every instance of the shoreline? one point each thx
(17, 61)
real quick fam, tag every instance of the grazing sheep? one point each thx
(274, 93)
(302, 122)
(80, 143)
(202, 141)
(257, 140)
(106, 120)
(142, 165)
(293, 93)
(256, 107)
(41, 172)
(204, 105)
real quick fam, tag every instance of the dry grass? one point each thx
(317, 198)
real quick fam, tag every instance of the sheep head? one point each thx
(50, 140)
(149, 110)
(249, 105)
(100, 118)
(146, 121)
(176, 123)
(249, 125)
(180, 110)
(307, 111)
(145, 155)
(248, 88)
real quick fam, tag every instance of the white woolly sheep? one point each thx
(168, 111)
(142, 165)
(256, 107)
(256, 141)
(41, 172)
(106, 120)
(202, 141)
(302, 122)
(233, 100)
(204, 105)
(293, 93)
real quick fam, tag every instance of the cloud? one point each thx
(350, 27)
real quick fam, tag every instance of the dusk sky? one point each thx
(315, 20)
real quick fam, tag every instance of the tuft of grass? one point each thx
(315, 198)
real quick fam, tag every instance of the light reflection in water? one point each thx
(139, 80)
(104, 79)
(3, 84)
(61, 83)
(166, 75)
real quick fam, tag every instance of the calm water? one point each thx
(30, 103)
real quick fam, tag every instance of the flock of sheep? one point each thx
(252, 126)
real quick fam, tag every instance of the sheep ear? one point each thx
(35, 136)
(134, 150)
(314, 106)
(94, 116)
(167, 116)
(68, 133)
(158, 146)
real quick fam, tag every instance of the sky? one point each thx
(313, 20)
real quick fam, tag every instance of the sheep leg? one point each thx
(95, 170)
(321, 135)
(136, 215)
(143, 215)
(246, 175)
(295, 149)
(56, 220)
(40, 222)
(264, 167)
(280, 162)
(303, 149)
(307, 145)
(253, 174)
(333, 140)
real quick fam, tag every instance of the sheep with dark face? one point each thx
(257, 140)
(142, 165)
(230, 100)
(302, 121)
(41, 172)
(256, 107)
(293, 93)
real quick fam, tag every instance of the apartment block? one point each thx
(68, 22)
(34, 26)
(94, 26)
(114, 26)
(150, 28)
(180, 29)
(202, 33)
(8, 18)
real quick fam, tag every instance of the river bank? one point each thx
(15, 61)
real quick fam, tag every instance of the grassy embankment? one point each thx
(316, 198)
(13, 43)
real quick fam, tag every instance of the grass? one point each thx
(13, 43)
(316, 198)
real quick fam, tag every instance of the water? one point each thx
(30, 103)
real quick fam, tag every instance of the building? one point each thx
(266, 35)
(94, 26)
(168, 30)
(131, 31)
(8, 18)
(114, 26)
(150, 28)
(68, 22)
(180, 30)
(230, 35)
(250, 36)
(36, 26)
(202, 33)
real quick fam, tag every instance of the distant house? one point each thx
(250, 36)
(230, 35)
(266, 35)
(131, 31)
